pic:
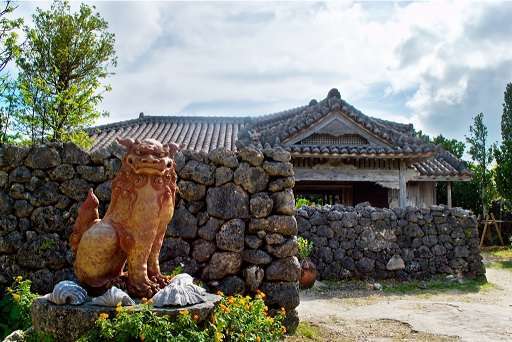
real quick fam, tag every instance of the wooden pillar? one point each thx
(402, 184)
(449, 194)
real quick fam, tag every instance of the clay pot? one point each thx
(308, 273)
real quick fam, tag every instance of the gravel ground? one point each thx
(353, 313)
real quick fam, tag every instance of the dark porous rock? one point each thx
(231, 285)
(21, 174)
(10, 243)
(256, 257)
(45, 251)
(188, 264)
(231, 236)
(253, 276)
(180, 159)
(251, 155)
(111, 165)
(62, 172)
(73, 154)
(365, 265)
(227, 202)
(223, 157)
(280, 184)
(195, 207)
(274, 239)
(252, 178)
(46, 194)
(257, 225)
(8, 223)
(104, 191)
(13, 155)
(173, 248)
(198, 172)
(42, 281)
(202, 250)
(279, 154)
(17, 191)
(22, 208)
(48, 219)
(284, 225)
(92, 173)
(252, 241)
(284, 202)
(395, 263)
(281, 294)
(191, 191)
(278, 169)
(461, 252)
(291, 321)
(209, 230)
(223, 264)
(287, 269)
(183, 224)
(42, 157)
(349, 219)
(223, 175)
(75, 188)
(6, 204)
(4, 179)
(287, 249)
(261, 205)
(202, 218)
(69, 322)
(99, 155)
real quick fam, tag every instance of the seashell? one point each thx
(67, 292)
(112, 297)
(180, 291)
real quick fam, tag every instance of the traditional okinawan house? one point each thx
(340, 155)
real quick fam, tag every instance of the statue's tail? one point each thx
(87, 216)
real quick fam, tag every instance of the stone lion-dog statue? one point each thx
(133, 229)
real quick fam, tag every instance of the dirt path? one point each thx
(482, 316)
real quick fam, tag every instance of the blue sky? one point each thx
(431, 64)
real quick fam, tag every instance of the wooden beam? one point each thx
(402, 184)
(449, 194)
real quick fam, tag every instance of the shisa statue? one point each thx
(132, 231)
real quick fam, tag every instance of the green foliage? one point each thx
(65, 58)
(236, 318)
(15, 307)
(47, 245)
(302, 201)
(8, 35)
(305, 247)
(482, 155)
(451, 145)
(503, 154)
(435, 286)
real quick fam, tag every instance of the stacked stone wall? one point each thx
(233, 225)
(411, 243)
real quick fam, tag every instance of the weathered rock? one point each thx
(6, 204)
(75, 188)
(173, 248)
(274, 239)
(92, 173)
(72, 154)
(287, 269)
(21, 174)
(22, 208)
(251, 155)
(183, 224)
(231, 236)
(261, 205)
(281, 184)
(62, 172)
(256, 257)
(253, 276)
(284, 225)
(287, 249)
(48, 219)
(278, 154)
(252, 179)
(209, 230)
(227, 202)
(281, 294)
(395, 263)
(278, 169)
(223, 264)
(223, 157)
(104, 191)
(252, 241)
(284, 202)
(202, 250)
(231, 285)
(13, 155)
(4, 179)
(191, 191)
(42, 157)
(257, 225)
(223, 175)
(198, 172)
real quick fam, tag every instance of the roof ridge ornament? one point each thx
(334, 93)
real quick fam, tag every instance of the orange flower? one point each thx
(231, 300)
(103, 316)
(195, 317)
(184, 312)
(258, 339)
(220, 293)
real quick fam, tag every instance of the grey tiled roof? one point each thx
(207, 133)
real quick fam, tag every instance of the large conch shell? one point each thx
(67, 292)
(180, 291)
(113, 297)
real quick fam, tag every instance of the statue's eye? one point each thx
(138, 152)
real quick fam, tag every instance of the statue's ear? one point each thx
(126, 142)
(173, 148)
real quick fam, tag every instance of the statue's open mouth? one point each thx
(147, 168)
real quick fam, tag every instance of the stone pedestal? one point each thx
(69, 322)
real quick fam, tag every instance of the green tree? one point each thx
(482, 155)
(453, 146)
(8, 36)
(62, 65)
(503, 154)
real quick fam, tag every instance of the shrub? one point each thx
(305, 247)
(15, 307)
(301, 201)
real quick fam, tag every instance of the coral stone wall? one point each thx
(233, 225)
(412, 243)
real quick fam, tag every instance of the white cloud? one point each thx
(434, 64)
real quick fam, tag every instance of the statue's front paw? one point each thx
(143, 289)
(160, 279)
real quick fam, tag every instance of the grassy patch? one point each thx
(434, 286)
(309, 331)
(500, 252)
(504, 265)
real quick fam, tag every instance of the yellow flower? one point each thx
(119, 309)
(144, 300)
(218, 336)
(16, 297)
(103, 316)
(231, 300)
(184, 312)
(19, 279)
(9, 290)
(258, 339)
(220, 293)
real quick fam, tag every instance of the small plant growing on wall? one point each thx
(308, 269)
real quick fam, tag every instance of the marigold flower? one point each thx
(231, 300)
(103, 316)
(195, 317)
(220, 293)
(9, 290)
(16, 297)
(258, 339)
(19, 279)
(119, 309)
(218, 336)
(184, 312)
(144, 300)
